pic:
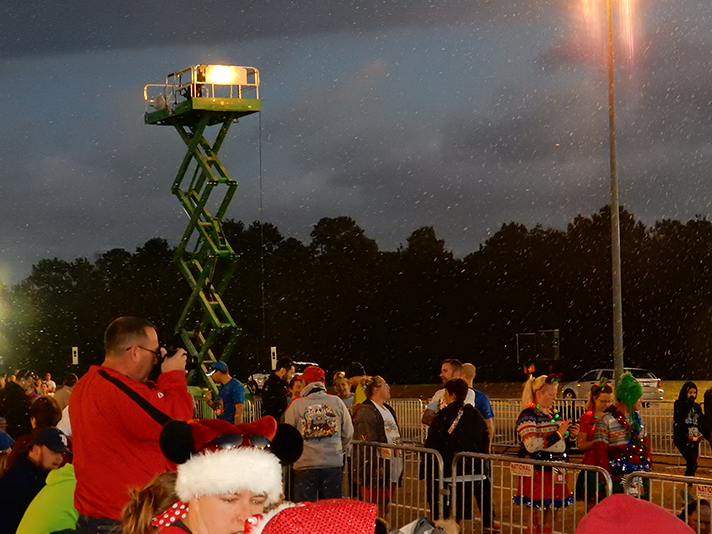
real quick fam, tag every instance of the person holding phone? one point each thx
(543, 435)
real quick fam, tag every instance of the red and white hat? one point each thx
(217, 457)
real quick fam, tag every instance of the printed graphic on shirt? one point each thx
(392, 433)
(318, 421)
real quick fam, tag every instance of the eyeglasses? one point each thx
(233, 441)
(156, 353)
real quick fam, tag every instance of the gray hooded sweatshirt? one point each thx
(324, 422)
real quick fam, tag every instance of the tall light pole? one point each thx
(615, 216)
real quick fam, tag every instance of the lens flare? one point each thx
(592, 27)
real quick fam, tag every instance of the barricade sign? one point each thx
(521, 470)
(704, 492)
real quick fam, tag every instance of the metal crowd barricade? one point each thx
(252, 410)
(409, 413)
(201, 410)
(490, 483)
(657, 419)
(506, 412)
(394, 477)
(672, 492)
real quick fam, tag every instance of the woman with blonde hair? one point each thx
(542, 436)
(375, 420)
(148, 502)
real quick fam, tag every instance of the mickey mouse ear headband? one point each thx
(217, 457)
(180, 440)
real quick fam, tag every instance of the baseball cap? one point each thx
(52, 438)
(312, 373)
(217, 366)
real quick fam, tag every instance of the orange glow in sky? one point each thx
(626, 30)
(594, 26)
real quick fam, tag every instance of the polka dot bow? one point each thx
(178, 511)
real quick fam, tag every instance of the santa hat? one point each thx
(623, 513)
(216, 457)
(321, 517)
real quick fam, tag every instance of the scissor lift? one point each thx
(195, 101)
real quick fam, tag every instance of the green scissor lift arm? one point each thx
(195, 101)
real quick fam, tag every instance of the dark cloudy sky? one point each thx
(458, 114)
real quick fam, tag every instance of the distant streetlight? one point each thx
(615, 216)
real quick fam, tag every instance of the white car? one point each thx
(652, 385)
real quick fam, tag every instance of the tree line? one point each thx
(338, 298)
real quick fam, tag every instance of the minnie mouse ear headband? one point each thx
(217, 457)
(320, 517)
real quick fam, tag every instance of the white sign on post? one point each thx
(75, 355)
(273, 357)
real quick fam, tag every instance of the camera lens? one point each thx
(172, 345)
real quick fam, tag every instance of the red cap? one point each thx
(313, 374)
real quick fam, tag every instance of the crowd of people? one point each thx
(612, 435)
(114, 452)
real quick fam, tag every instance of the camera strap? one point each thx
(156, 414)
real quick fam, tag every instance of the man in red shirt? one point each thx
(115, 439)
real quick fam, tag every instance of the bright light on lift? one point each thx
(225, 75)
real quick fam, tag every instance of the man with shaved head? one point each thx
(482, 402)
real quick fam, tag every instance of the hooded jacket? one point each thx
(689, 424)
(52, 509)
(325, 424)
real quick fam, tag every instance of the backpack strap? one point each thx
(156, 414)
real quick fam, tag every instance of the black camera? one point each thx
(172, 345)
